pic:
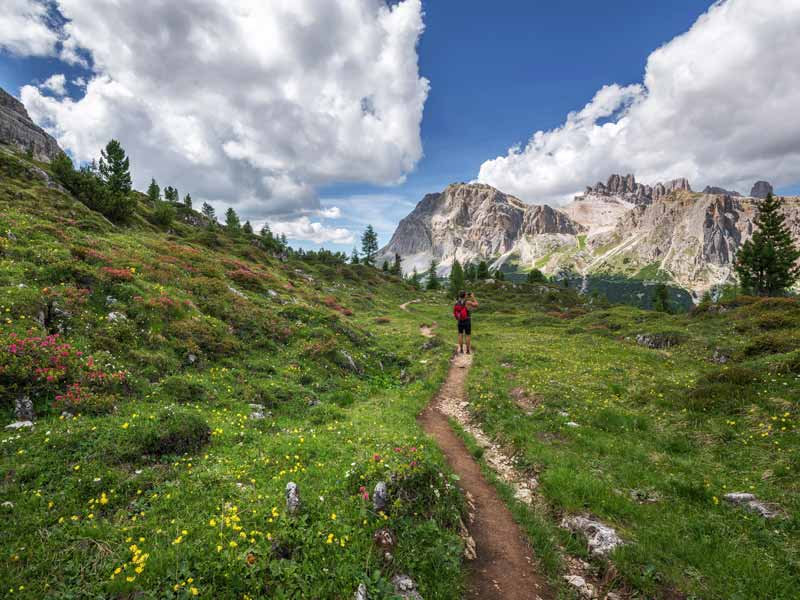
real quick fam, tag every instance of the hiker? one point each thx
(461, 310)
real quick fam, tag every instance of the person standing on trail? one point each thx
(461, 311)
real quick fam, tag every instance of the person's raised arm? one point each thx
(473, 303)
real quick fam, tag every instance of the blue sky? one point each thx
(498, 72)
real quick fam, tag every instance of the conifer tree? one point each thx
(247, 228)
(170, 194)
(433, 278)
(187, 201)
(385, 266)
(369, 246)
(661, 298)
(536, 276)
(414, 279)
(397, 266)
(766, 264)
(232, 223)
(209, 213)
(153, 192)
(115, 169)
(354, 259)
(265, 232)
(483, 270)
(456, 278)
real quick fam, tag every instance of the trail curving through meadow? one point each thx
(504, 567)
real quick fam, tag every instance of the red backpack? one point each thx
(460, 311)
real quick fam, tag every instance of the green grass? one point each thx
(664, 424)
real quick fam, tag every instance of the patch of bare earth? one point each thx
(502, 562)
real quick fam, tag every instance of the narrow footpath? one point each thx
(504, 568)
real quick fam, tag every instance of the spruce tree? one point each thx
(385, 266)
(354, 259)
(536, 276)
(433, 278)
(397, 265)
(170, 194)
(247, 228)
(483, 270)
(187, 201)
(115, 169)
(661, 298)
(209, 213)
(766, 264)
(232, 223)
(456, 278)
(265, 232)
(414, 279)
(153, 192)
(369, 246)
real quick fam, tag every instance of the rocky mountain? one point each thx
(18, 130)
(619, 228)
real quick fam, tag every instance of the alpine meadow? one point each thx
(288, 310)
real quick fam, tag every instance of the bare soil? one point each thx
(505, 568)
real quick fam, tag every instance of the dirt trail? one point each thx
(427, 330)
(504, 567)
(405, 305)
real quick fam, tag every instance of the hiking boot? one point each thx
(461, 350)
(467, 350)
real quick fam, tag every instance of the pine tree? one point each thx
(536, 276)
(766, 264)
(265, 232)
(247, 228)
(187, 201)
(354, 259)
(284, 242)
(433, 278)
(369, 246)
(661, 298)
(209, 213)
(385, 266)
(483, 270)
(499, 275)
(153, 192)
(471, 272)
(456, 278)
(414, 279)
(170, 194)
(397, 265)
(115, 169)
(232, 223)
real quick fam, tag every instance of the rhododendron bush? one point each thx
(48, 369)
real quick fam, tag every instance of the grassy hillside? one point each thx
(650, 440)
(155, 482)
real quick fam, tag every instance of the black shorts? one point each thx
(465, 326)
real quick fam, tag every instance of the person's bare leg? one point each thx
(469, 340)
(461, 342)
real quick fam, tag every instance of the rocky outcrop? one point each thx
(720, 191)
(761, 189)
(625, 187)
(17, 130)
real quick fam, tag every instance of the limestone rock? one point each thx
(292, 498)
(602, 539)
(405, 587)
(18, 130)
(719, 191)
(361, 592)
(761, 189)
(257, 413)
(23, 408)
(19, 425)
(380, 497)
(584, 589)
(751, 503)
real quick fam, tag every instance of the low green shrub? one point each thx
(777, 342)
(173, 431)
(184, 390)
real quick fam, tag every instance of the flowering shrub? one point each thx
(45, 366)
(117, 274)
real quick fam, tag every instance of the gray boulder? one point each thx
(602, 538)
(405, 587)
(380, 497)
(752, 504)
(292, 498)
(23, 409)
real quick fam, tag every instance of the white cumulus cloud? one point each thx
(718, 105)
(304, 229)
(250, 104)
(25, 28)
(56, 84)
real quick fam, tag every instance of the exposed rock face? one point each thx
(720, 191)
(626, 188)
(17, 129)
(761, 189)
(470, 222)
(619, 228)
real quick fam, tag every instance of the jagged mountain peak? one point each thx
(18, 130)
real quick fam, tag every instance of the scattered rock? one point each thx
(380, 497)
(386, 541)
(571, 424)
(361, 592)
(292, 498)
(258, 412)
(658, 341)
(7, 504)
(274, 294)
(602, 538)
(19, 425)
(761, 189)
(349, 362)
(470, 550)
(405, 587)
(751, 503)
(584, 589)
(720, 357)
(235, 292)
(191, 358)
(23, 408)
(116, 316)
(613, 596)
(66, 414)
(645, 496)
